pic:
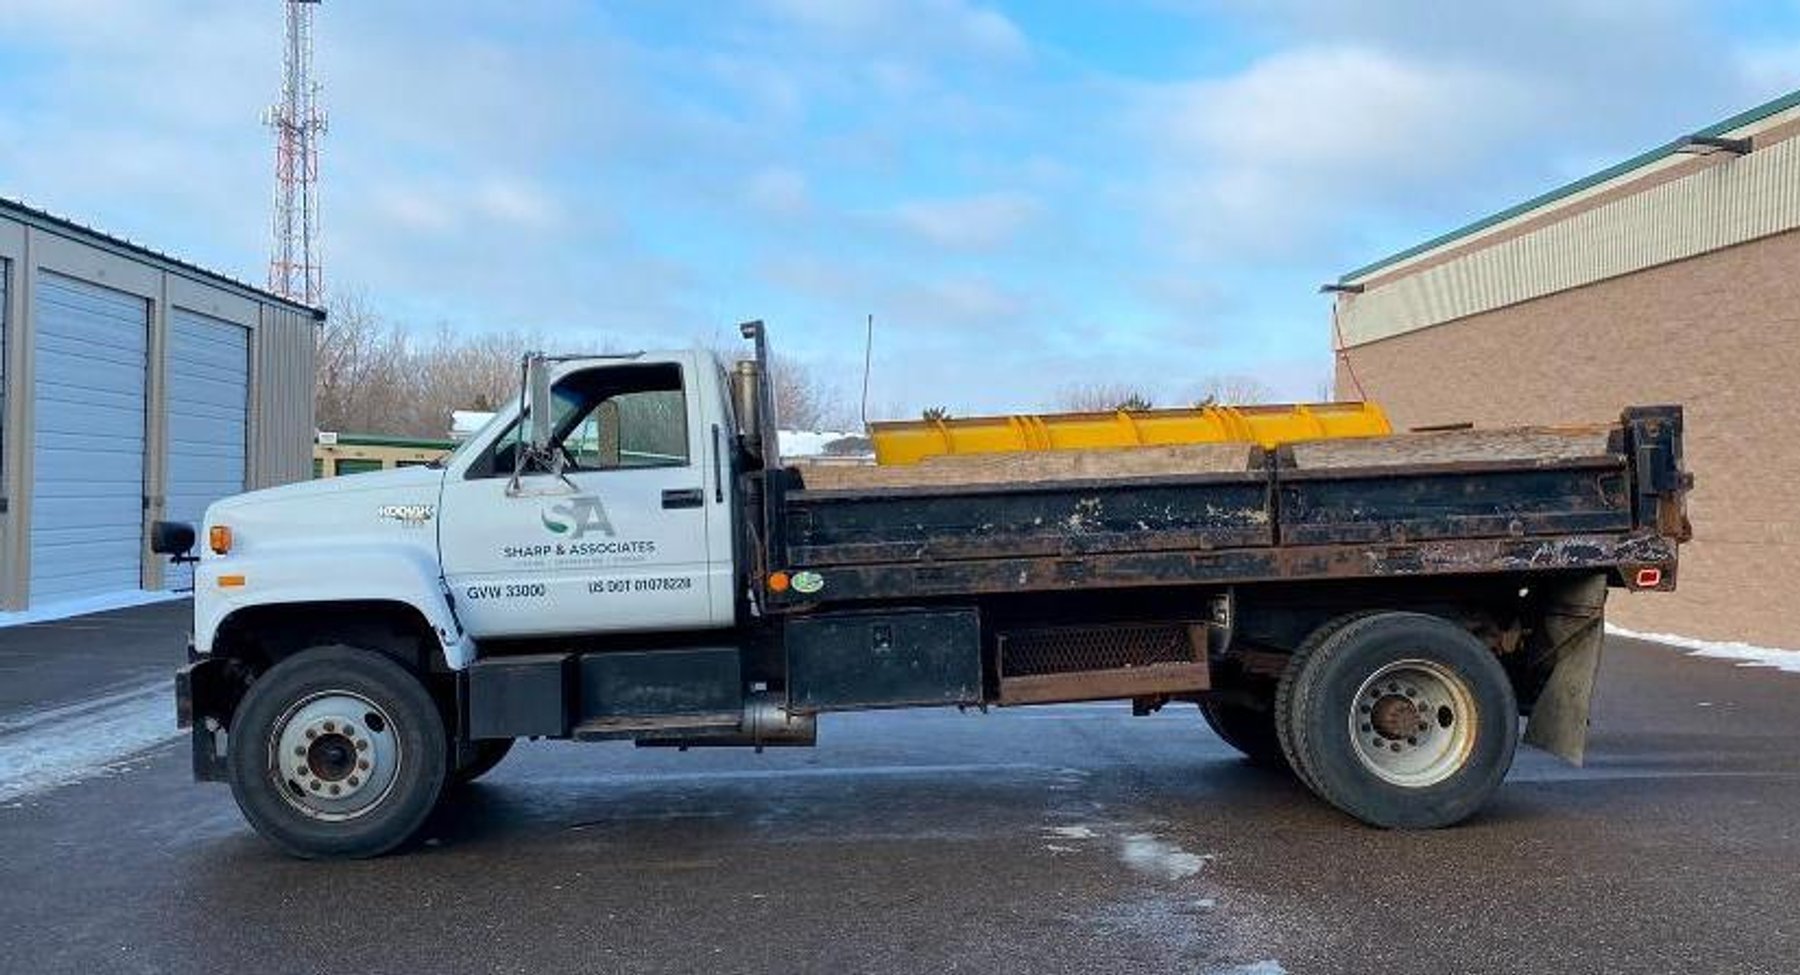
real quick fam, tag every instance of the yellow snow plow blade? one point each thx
(910, 441)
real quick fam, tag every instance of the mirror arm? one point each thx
(531, 457)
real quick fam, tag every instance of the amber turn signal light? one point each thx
(778, 582)
(218, 538)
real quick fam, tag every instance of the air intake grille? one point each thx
(1070, 650)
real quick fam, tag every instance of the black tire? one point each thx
(1284, 690)
(488, 753)
(1249, 730)
(1465, 715)
(403, 720)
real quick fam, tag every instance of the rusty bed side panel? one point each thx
(1591, 495)
(1057, 519)
(904, 580)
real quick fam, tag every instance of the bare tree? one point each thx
(1101, 397)
(1232, 389)
(359, 382)
(375, 376)
(804, 400)
(463, 372)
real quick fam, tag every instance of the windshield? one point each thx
(479, 436)
(506, 422)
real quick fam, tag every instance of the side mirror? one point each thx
(171, 537)
(537, 419)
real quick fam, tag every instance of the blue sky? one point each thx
(1027, 196)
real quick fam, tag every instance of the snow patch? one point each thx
(1747, 655)
(1070, 832)
(1266, 967)
(46, 749)
(1160, 858)
(813, 443)
(66, 608)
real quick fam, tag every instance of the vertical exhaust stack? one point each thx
(744, 382)
(755, 394)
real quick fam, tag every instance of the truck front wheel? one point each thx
(1402, 720)
(337, 753)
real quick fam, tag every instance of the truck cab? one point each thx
(631, 527)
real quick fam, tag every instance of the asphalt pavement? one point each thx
(1065, 839)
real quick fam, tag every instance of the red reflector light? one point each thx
(1649, 578)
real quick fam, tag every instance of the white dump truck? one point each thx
(619, 555)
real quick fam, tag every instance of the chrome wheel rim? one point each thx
(334, 755)
(1413, 723)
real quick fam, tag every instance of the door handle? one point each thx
(683, 498)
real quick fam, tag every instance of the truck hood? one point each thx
(399, 505)
(413, 483)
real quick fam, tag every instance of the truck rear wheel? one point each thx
(1402, 720)
(337, 753)
(1248, 729)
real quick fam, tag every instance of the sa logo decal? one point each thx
(576, 517)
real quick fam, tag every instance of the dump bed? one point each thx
(1607, 496)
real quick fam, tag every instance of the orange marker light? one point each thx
(778, 582)
(219, 538)
(230, 582)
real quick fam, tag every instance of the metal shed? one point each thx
(133, 386)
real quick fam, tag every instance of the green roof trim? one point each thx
(1739, 120)
(375, 440)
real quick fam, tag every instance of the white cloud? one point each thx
(441, 207)
(778, 191)
(1342, 111)
(514, 204)
(1771, 68)
(1259, 160)
(948, 27)
(981, 222)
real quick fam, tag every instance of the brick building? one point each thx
(1671, 277)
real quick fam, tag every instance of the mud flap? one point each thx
(1574, 627)
(206, 691)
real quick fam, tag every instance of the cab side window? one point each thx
(634, 425)
(609, 418)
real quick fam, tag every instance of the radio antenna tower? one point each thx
(296, 269)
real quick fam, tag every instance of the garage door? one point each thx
(209, 388)
(88, 459)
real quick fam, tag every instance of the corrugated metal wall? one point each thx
(1737, 201)
(281, 432)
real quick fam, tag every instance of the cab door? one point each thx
(618, 540)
